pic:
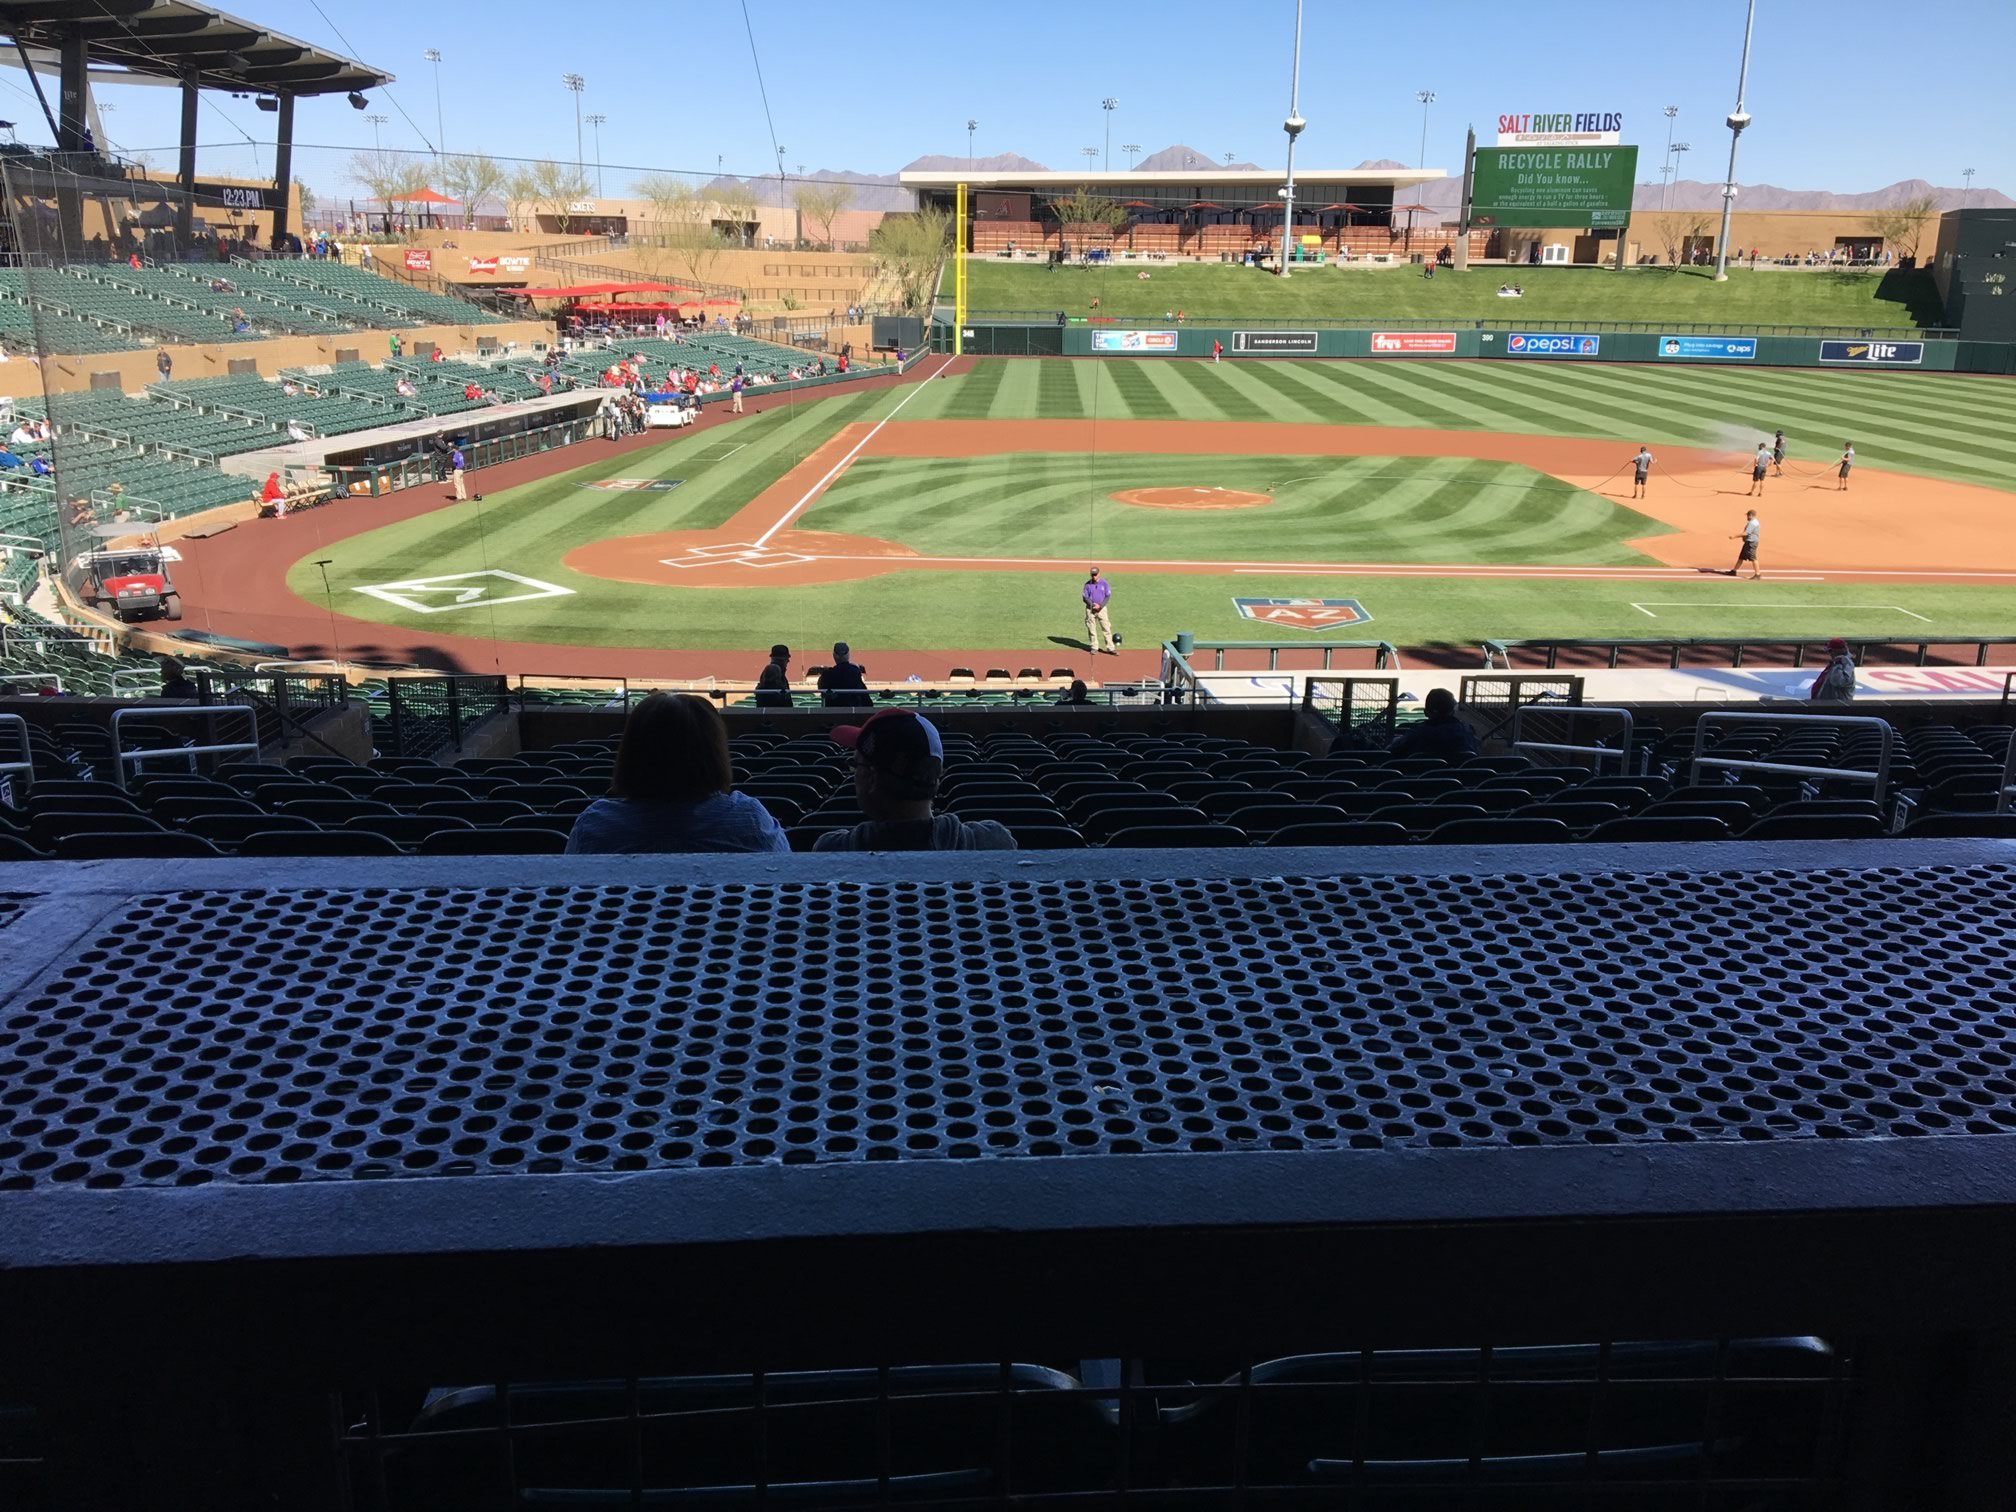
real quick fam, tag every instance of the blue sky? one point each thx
(1836, 106)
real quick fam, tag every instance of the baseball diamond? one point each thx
(915, 517)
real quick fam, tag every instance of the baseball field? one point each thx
(954, 514)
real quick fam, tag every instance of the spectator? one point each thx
(1077, 693)
(672, 788)
(24, 434)
(845, 683)
(39, 466)
(272, 497)
(8, 461)
(296, 431)
(1836, 682)
(457, 467)
(898, 761)
(1440, 734)
(773, 683)
(175, 681)
(163, 363)
(405, 388)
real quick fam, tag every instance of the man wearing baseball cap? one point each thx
(898, 761)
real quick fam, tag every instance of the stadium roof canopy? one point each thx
(165, 39)
(1184, 178)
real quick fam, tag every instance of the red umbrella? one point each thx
(427, 197)
(1135, 205)
(1409, 209)
(1341, 205)
(1203, 205)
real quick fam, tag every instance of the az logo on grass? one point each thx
(1303, 613)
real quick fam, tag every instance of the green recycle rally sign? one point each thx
(1542, 187)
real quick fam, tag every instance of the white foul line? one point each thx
(1649, 605)
(834, 471)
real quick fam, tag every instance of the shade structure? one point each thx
(1343, 205)
(425, 197)
(1410, 209)
(1203, 205)
(596, 291)
(1136, 205)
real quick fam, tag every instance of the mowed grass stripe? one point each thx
(1059, 395)
(1226, 399)
(1137, 393)
(1881, 443)
(972, 394)
(1716, 424)
(1327, 396)
(1965, 437)
(1289, 393)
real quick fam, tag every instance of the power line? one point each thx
(384, 89)
(776, 152)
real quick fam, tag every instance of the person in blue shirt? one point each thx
(672, 789)
(8, 460)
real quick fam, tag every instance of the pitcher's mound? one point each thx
(1193, 498)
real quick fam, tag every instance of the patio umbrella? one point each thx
(1203, 205)
(1135, 205)
(1412, 209)
(427, 197)
(1341, 205)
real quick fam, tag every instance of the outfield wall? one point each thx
(1535, 343)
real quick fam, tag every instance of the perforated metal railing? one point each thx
(220, 1070)
(278, 1036)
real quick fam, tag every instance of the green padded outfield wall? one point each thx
(1513, 344)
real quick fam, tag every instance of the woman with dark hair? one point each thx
(671, 791)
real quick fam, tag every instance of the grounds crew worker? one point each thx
(1096, 593)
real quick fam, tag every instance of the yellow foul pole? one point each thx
(959, 273)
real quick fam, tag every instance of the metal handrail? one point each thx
(1597, 752)
(1499, 652)
(2005, 796)
(1880, 777)
(26, 765)
(39, 678)
(120, 755)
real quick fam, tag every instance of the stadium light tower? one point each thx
(1738, 119)
(971, 127)
(1666, 163)
(1109, 105)
(1427, 99)
(1132, 149)
(1294, 126)
(376, 121)
(575, 84)
(1967, 175)
(596, 119)
(433, 55)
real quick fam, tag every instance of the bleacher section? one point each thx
(249, 394)
(418, 306)
(439, 393)
(1069, 791)
(112, 307)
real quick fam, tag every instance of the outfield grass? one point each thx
(1943, 425)
(1342, 509)
(1206, 290)
(1325, 509)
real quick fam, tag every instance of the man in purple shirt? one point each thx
(1097, 592)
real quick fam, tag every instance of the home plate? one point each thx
(734, 554)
